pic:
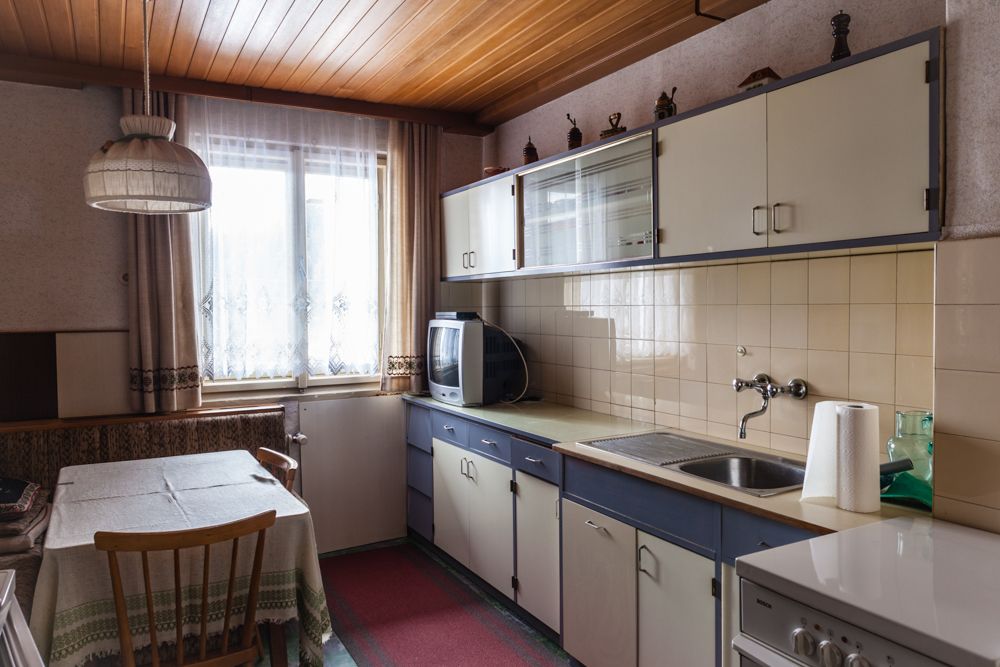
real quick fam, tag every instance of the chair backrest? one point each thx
(280, 465)
(249, 647)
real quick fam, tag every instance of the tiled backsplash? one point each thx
(661, 345)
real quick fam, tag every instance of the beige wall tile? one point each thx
(966, 469)
(642, 357)
(789, 325)
(666, 323)
(830, 280)
(621, 322)
(581, 382)
(757, 360)
(694, 399)
(968, 272)
(621, 389)
(915, 329)
(788, 416)
(915, 277)
(621, 356)
(600, 386)
(977, 516)
(600, 407)
(828, 373)
(787, 364)
(721, 325)
(790, 282)
(693, 324)
(600, 354)
(693, 361)
(872, 377)
(873, 278)
(642, 392)
(666, 395)
(968, 337)
(620, 285)
(600, 290)
(642, 287)
(728, 431)
(667, 420)
(666, 359)
(965, 403)
(721, 363)
(829, 327)
(693, 424)
(581, 352)
(722, 285)
(643, 322)
(667, 287)
(755, 283)
(915, 381)
(694, 286)
(754, 325)
(785, 443)
(873, 328)
(721, 404)
(646, 416)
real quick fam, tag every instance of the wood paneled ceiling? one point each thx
(484, 61)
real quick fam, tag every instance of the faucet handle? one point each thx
(760, 381)
(740, 385)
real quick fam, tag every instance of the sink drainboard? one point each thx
(660, 449)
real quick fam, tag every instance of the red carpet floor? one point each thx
(399, 606)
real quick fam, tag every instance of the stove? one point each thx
(903, 592)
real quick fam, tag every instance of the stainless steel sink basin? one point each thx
(757, 474)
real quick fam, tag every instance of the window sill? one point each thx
(316, 393)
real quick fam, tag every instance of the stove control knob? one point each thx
(855, 660)
(830, 654)
(803, 642)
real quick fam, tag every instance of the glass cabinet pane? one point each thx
(597, 207)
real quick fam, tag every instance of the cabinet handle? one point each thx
(491, 443)
(593, 525)
(531, 460)
(465, 260)
(448, 427)
(774, 218)
(641, 568)
(461, 466)
(472, 259)
(753, 219)
(470, 468)
(763, 543)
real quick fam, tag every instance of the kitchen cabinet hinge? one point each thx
(513, 486)
(929, 198)
(928, 72)
(511, 189)
(514, 583)
(513, 254)
(715, 588)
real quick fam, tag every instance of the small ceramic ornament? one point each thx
(665, 105)
(574, 138)
(759, 78)
(530, 152)
(840, 23)
(614, 119)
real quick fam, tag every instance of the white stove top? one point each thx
(932, 586)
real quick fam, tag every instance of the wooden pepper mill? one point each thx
(840, 24)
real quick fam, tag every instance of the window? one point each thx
(289, 255)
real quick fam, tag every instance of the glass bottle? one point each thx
(914, 441)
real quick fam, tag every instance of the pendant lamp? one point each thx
(145, 172)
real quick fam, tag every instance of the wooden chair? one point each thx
(280, 465)
(249, 648)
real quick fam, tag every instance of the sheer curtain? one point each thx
(288, 277)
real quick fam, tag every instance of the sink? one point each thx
(757, 474)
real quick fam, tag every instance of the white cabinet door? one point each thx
(455, 234)
(676, 606)
(451, 500)
(537, 511)
(492, 227)
(599, 588)
(712, 175)
(847, 152)
(491, 522)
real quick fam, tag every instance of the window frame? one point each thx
(302, 383)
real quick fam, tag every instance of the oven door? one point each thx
(754, 654)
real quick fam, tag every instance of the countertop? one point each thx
(926, 584)
(563, 427)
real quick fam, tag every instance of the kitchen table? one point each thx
(73, 618)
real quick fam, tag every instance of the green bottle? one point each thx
(914, 441)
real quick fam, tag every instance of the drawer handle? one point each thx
(491, 443)
(531, 460)
(593, 525)
(448, 427)
(640, 567)
(763, 543)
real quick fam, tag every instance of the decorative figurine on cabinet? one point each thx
(840, 24)
(759, 78)
(614, 119)
(574, 138)
(530, 152)
(665, 105)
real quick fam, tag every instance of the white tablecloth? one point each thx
(73, 618)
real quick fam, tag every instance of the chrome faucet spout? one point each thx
(756, 413)
(763, 385)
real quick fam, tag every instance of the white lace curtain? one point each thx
(287, 257)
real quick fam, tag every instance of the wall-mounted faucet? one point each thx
(762, 384)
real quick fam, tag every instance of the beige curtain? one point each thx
(163, 345)
(413, 263)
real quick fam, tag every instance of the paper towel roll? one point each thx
(857, 457)
(821, 463)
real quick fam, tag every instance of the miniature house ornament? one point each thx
(759, 78)
(840, 23)
(530, 152)
(665, 105)
(574, 138)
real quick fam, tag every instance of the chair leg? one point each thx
(279, 647)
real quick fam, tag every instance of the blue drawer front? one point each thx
(450, 428)
(535, 460)
(744, 533)
(490, 442)
(686, 520)
(420, 471)
(418, 427)
(420, 514)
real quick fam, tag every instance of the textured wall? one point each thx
(790, 36)
(60, 260)
(461, 160)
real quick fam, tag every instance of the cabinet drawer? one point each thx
(420, 470)
(418, 427)
(489, 442)
(535, 460)
(450, 428)
(420, 514)
(744, 533)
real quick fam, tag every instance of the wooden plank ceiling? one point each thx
(488, 59)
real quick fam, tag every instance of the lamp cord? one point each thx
(146, 101)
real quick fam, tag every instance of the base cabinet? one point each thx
(599, 588)
(536, 504)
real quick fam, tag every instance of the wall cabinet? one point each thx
(473, 513)
(536, 507)
(479, 229)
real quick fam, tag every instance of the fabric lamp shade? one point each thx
(146, 173)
